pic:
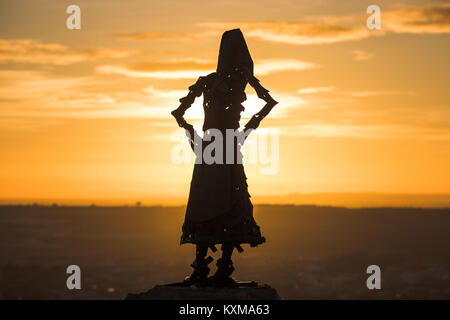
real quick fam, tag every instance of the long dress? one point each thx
(219, 208)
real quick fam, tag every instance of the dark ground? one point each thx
(311, 252)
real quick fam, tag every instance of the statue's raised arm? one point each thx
(185, 103)
(263, 94)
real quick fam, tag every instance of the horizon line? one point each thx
(334, 199)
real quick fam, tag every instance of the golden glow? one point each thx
(85, 114)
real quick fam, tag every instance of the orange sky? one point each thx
(86, 113)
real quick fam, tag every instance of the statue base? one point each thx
(241, 290)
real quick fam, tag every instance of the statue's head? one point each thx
(234, 63)
(233, 53)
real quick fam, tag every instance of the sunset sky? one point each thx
(85, 114)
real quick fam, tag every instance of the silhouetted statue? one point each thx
(219, 210)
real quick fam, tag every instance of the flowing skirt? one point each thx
(236, 226)
(219, 209)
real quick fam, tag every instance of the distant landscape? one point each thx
(336, 199)
(312, 252)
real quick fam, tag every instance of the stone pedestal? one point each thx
(245, 292)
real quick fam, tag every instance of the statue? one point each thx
(219, 210)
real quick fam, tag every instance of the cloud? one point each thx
(297, 33)
(268, 66)
(388, 131)
(167, 69)
(314, 30)
(20, 85)
(336, 130)
(33, 94)
(360, 55)
(430, 19)
(175, 36)
(173, 74)
(36, 52)
(363, 94)
(315, 90)
(194, 68)
(36, 94)
(333, 29)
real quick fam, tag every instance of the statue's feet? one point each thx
(199, 276)
(222, 276)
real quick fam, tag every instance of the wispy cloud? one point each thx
(315, 90)
(194, 68)
(174, 36)
(20, 85)
(430, 19)
(388, 131)
(332, 29)
(268, 66)
(316, 30)
(163, 74)
(361, 55)
(362, 94)
(297, 33)
(36, 52)
(37, 94)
